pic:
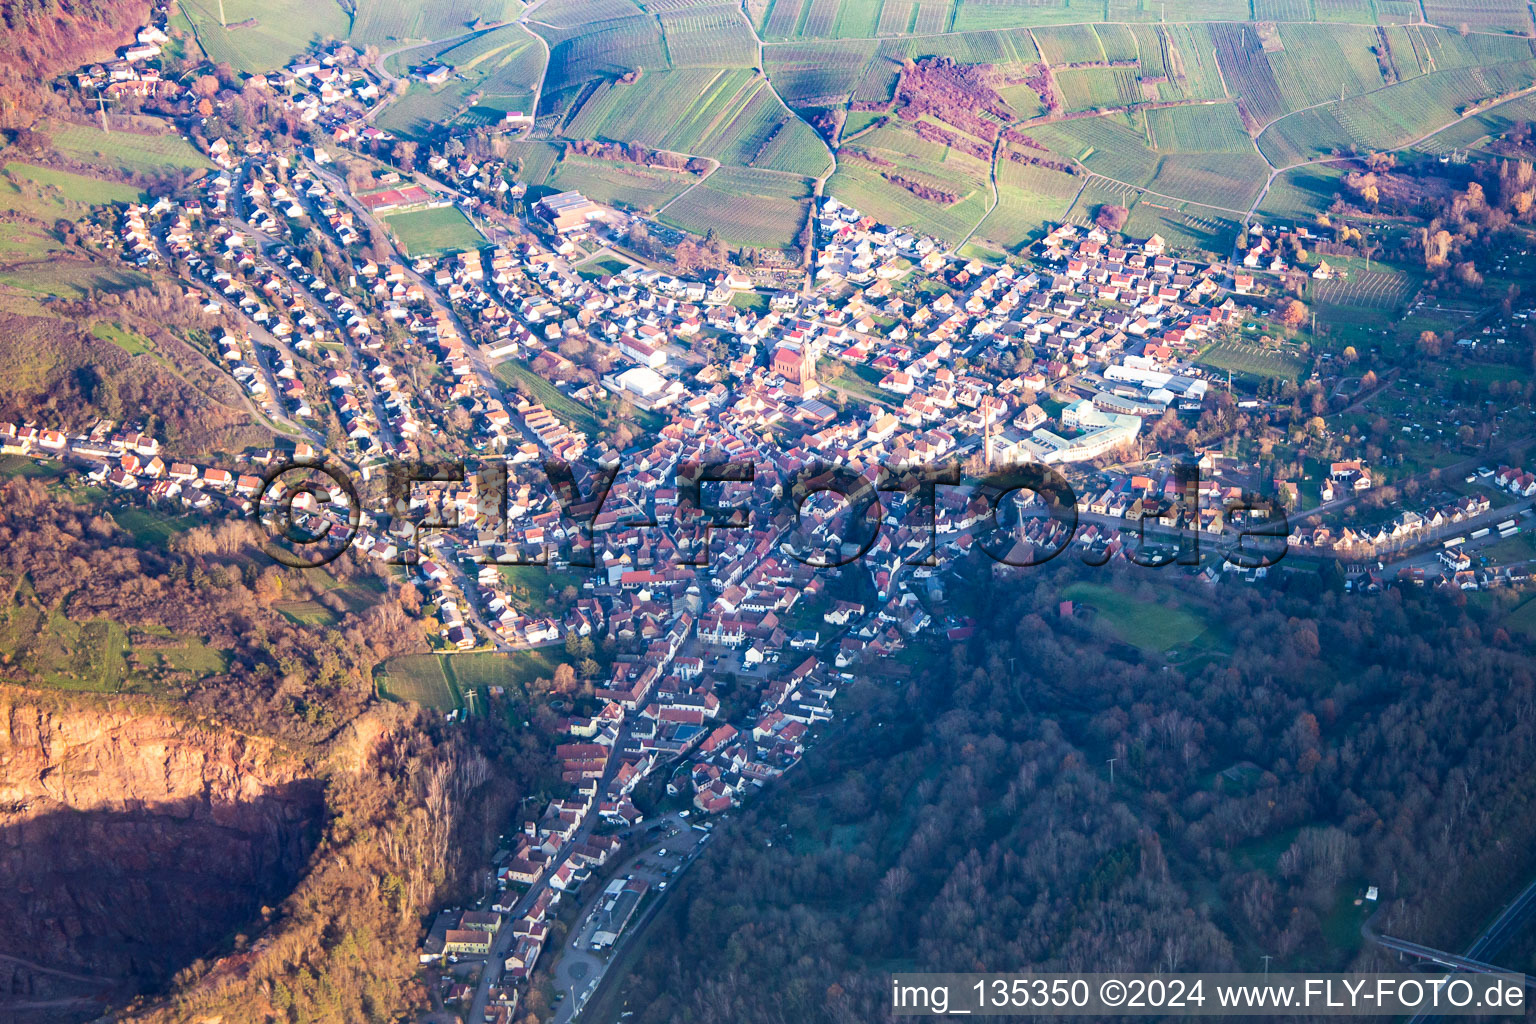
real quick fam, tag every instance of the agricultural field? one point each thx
(1028, 199)
(1475, 132)
(714, 36)
(1206, 128)
(1114, 146)
(861, 182)
(602, 49)
(1323, 62)
(1252, 360)
(1382, 288)
(1303, 193)
(817, 73)
(495, 72)
(745, 207)
(1230, 181)
(1246, 70)
(443, 229)
(1098, 88)
(531, 162)
(733, 116)
(60, 190)
(1185, 226)
(1391, 117)
(130, 151)
(616, 183)
(1191, 64)
(1481, 15)
(261, 35)
(379, 22)
(1069, 44)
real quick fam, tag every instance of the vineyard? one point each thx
(381, 22)
(1028, 199)
(732, 116)
(745, 207)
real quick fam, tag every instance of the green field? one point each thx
(447, 681)
(128, 341)
(494, 72)
(730, 115)
(131, 151)
(443, 229)
(386, 21)
(1523, 619)
(58, 190)
(1029, 198)
(617, 183)
(514, 371)
(260, 35)
(1382, 288)
(150, 527)
(494, 668)
(1152, 627)
(863, 184)
(93, 655)
(419, 679)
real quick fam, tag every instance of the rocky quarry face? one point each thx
(133, 844)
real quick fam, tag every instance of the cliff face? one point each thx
(132, 844)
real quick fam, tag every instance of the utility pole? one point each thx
(1267, 959)
(1112, 771)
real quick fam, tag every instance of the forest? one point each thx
(964, 819)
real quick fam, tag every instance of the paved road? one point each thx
(580, 970)
(491, 975)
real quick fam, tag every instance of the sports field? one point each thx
(443, 229)
(419, 679)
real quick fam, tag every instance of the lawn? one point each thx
(495, 668)
(442, 229)
(1523, 619)
(602, 265)
(151, 528)
(540, 583)
(1151, 627)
